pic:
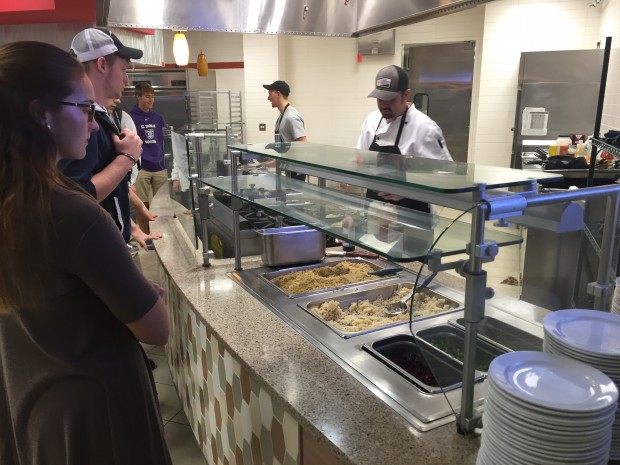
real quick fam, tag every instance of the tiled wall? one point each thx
(235, 420)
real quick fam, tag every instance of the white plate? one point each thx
(554, 383)
(592, 331)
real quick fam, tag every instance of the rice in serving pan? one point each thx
(314, 279)
(364, 314)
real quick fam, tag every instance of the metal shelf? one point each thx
(615, 151)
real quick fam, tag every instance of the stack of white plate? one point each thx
(592, 337)
(542, 410)
(615, 303)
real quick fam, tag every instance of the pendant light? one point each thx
(202, 65)
(180, 49)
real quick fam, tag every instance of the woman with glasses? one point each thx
(74, 383)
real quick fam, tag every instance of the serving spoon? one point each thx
(396, 308)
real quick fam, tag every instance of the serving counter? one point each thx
(261, 386)
(256, 391)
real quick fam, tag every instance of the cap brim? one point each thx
(130, 53)
(267, 86)
(386, 95)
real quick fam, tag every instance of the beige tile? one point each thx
(169, 403)
(180, 418)
(162, 372)
(183, 447)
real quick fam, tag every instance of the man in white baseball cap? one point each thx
(111, 152)
(93, 43)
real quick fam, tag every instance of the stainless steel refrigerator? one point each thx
(557, 95)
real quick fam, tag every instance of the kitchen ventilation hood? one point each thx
(345, 18)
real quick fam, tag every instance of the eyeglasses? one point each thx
(90, 106)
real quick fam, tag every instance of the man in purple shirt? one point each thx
(150, 127)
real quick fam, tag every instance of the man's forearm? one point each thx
(134, 200)
(111, 176)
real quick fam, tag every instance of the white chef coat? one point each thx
(421, 137)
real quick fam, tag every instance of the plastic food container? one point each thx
(291, 245)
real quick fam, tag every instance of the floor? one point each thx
(181, 441)
(504, 273)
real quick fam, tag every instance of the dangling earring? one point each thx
(49, 126)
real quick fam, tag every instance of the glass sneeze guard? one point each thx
(440, 176)
(398, 234)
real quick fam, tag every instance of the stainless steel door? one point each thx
(445, 73)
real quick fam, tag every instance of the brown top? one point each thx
(74, 382)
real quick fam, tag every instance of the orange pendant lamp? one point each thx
(202, 65)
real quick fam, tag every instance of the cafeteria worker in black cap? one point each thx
(397, 127)
(290, 125)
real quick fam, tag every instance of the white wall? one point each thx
(330, 88)
(261, 66)
(512, 27)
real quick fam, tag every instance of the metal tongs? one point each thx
(396, 308)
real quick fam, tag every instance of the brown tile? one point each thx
(314, 452)
(246, 390)
(220, 349)
(256, 453)
(214, 450)
(239, 456)
(226, 462)
(218, 414)
(277, 440)
(202, 401)
(205, 367)
(230, 402)
(201, 438)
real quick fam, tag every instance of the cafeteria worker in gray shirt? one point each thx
(290, 125)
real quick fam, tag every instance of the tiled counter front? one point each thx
(235, 420)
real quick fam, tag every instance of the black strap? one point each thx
(400, 127)
(277, 130)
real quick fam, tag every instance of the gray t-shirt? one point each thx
(290, 125)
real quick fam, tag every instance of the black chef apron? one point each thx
(393, 149)
(278, 138)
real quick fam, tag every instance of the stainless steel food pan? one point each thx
(291, 245)
(503, 334)
(274, 274)
(450, 341)
(429, 372)
(385, 291)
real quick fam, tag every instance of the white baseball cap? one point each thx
(93, 43)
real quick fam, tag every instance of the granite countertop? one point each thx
(330, 404)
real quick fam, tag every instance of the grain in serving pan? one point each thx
(364, 314)
(314, 279)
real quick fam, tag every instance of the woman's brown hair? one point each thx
(29, 72)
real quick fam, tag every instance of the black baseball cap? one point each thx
(390, 81)
(280, 86)
(96, 42)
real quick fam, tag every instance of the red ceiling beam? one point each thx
(47, 11)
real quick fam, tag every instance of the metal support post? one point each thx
(475, 294)
(203, 208)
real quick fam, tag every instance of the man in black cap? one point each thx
(290, 125)
(111, 153)
(396, 127)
